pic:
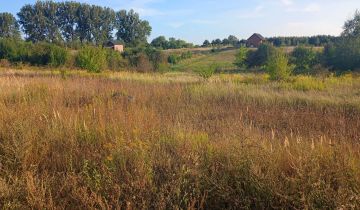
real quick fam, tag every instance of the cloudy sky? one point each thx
(197, 20)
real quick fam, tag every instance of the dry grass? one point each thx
(123, 142)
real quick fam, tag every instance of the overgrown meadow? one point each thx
(176, 141)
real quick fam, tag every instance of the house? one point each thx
(115, 45)
(255, 40)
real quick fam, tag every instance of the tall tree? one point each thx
(84, 23)
(51, 15)
(206, 43)
(233, 40)
(33, 22)
(9, 28)
(352, 26)
(68, 20)
(102, 23)
(40, 21)
(130, 28)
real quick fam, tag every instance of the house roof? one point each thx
(258, 35)
(114, 42)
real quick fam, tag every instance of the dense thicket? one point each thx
(344, 54)
(17, 51)
(70, 22)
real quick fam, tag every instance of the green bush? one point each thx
(343, 55)
(278, 66)
(35, 54)
(304, 60)
(115, 60)
(260, 57)
(186, 55)
(58, 56)
(155, 57)
(173, 59)
(240, 58)
(92, 59)
(206, 71)
(7, 50)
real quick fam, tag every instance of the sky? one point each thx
(197, 20)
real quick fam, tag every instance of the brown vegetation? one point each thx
(95, 142)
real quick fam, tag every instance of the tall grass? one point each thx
(96, 142)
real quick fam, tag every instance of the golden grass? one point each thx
(173, 141)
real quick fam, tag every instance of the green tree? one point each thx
(206, 43)
(101, 26)
(240, 58)
(83, 28)
(160, 42)
(216, 42)
(344, 55)
(233, 40)
(278, 66)
(131, 29)
(68, 20)
(352, 26)
(40, 21)
(225, 41)
(9, 28)
(33, 22)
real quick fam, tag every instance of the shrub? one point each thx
(261, 56)
(155, 57)
(344, 55)
(304, 59)
(35, 54)
(8, 50)
(115, 60)
(240, 58)
(92, 59)
(278, 66)
(173, 59)
(186, 55)
(58, 56)
(207, 71)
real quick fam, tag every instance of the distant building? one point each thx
(115, 45)
(255, 40)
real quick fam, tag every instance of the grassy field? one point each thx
(175, 141)
(223, 60)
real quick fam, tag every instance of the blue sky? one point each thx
(197, 20)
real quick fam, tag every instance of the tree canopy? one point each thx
(172, 43)
(352, 26)
(68, 22)
(9, 28)
(130, 28)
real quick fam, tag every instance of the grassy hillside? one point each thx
(175, 141)
(223, 60)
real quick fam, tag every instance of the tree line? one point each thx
(319, 40)
(74, 22)
(172, 43)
